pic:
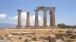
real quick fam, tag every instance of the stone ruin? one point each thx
(44, 9)
(38, 35)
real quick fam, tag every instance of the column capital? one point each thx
(19, 10)
(44, 9)
(27, 12)
(36, 10)
(52, 10)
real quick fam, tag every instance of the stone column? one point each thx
(36, 18)
(52, 16)
(28, 20)
(45, 17)
(19, 19)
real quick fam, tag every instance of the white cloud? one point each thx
(3, 16)
(32, 19)
(14, 18)
(23, 15)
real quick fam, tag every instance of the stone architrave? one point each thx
(19, 19)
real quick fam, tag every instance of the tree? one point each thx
(62, 25)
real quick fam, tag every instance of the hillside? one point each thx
(7, 25)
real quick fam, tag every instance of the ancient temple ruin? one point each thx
(44, 34)
(44, 9)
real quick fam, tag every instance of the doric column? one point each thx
(19, 19)
(52, 16)
(45, 17)
(28, 20)
(36, 18)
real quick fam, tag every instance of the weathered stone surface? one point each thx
(45, 17)
(51, 38)
(52, 16)
(36, 18)
(19, 19)
(28, 20)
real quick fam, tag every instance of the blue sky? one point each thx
(65, 9)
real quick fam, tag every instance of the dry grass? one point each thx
(38, 31)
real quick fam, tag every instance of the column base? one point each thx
(44, 25)
(54, 26)
(36, 25)
(27, 26)
(19, 26)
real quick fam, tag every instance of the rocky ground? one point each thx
(37, 35)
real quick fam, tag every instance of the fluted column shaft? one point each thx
(28, 20)
(45, 17)
(19, 19)
(36, 18)
(52, 16)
